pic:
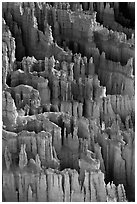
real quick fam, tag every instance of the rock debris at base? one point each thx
(68, 102)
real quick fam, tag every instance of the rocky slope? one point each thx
(68, 102)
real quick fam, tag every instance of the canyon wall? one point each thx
(68, 102)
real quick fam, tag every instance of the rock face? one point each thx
(68, 102)
(64, 186)
(8, 52)
(9, 111)
(31, 41)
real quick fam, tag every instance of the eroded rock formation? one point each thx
(68, 102)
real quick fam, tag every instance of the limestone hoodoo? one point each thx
(68, 101)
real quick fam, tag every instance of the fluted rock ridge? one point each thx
(68, 101)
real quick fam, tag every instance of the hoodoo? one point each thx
(68, 101)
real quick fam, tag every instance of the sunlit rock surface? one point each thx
(68, 102)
